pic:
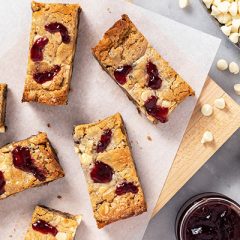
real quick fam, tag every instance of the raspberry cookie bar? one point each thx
(26, 164)
(52, 48)
(106, 159)
(50, 224)
(148, 80)
(3, 100)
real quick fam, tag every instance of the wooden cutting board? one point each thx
(191, 154)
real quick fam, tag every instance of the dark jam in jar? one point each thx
(209, 217)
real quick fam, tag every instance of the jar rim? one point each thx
(195, 202)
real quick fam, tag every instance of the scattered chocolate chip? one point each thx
(59, 197)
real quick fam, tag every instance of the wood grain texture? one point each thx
(192, 155)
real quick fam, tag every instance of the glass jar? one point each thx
(209, 216)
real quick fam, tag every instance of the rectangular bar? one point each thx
(148, 80)
(3, 103)
(26, 164)
(105, 155)
(49, 224)
(52, 48)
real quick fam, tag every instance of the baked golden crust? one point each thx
(44, 157)
(65, 223)
(107, 206)
(54, 92)
(124, 45)
(3, 102)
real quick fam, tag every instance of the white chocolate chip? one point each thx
(220, 103)
(224, 18)
(208, 3)
(166, 104)
(237, 89)
(235, 25)
(233, 68)
(86, 159)
(36, 37)
(224, 6)
(61, 236)
(222, 64)
(46, 84)
(233, 9)
(207, 137)
(234, 37)
(226, 30)
(183, 3)
(207, 110)
(215, 11)
(216, 2)
(146, 95)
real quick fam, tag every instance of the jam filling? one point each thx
(2, 183)
(121, 73)
(104, 141)
(154, 81)
(22, 160)
(101, 173)
(58, 27)
(44, 228)
(42, 77)
(37, 49)
(158, 112)
(126, 187)
(213, 221)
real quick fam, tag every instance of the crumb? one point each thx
(48, 125)
(109, 10)
(10, 236)
(139, 111)
(59, 197)
(149, 138)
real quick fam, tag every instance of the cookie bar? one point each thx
(52, 48)
(106, 159)
(26, 164)
(3, 100)
(148, 80)
(50, 224)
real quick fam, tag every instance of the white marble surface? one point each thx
(221, 173)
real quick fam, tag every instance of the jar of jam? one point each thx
(209, 216)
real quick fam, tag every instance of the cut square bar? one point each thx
(26, 164)
(105, 155)
(52, 48)
(148, 80)
(50, 224)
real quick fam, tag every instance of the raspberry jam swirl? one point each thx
(23, 160)
(42, 77)
(37, 49)
(44, 228)
(104, 141)
(59, 27)
(158, 112)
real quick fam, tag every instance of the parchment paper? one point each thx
(94, 96)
